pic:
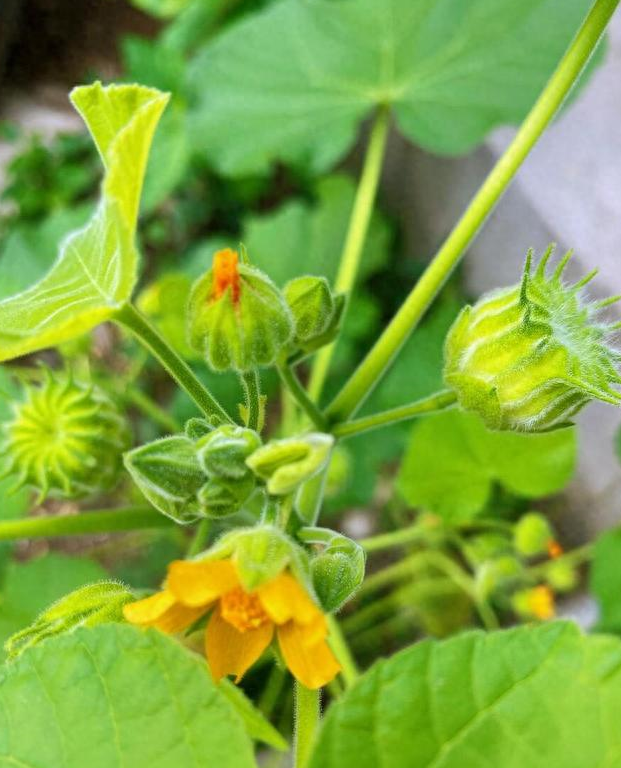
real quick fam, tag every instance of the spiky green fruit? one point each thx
(66, 439)
(529, 357)
(237, 317)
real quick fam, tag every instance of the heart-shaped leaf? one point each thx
(299, 77)
(95, 272)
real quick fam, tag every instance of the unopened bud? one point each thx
(531, 534)
(338, 571)
(223, 452)
(221, 496)
(312, 306)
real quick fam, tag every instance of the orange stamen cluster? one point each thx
(226, 274)
(554, 549)
(243, 610)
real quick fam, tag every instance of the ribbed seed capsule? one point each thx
(65, 439)
(531, 356)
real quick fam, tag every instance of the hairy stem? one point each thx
(307, 712)
(179, 370)
(295, 388)
(106, 521)
(436, 402)
(200, 538)
(252, 390)
(356, 235)
(373, 367)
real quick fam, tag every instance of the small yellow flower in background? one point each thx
(535, 603)
(242, 624)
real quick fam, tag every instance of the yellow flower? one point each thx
(541, 602)
(242, 624)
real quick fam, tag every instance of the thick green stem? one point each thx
(252, 390)
(395, 538)
(200, 538)
(179, 370)
(435, 402)
(356, 235)
(291, 381)
(372, 368)
(107, 521)
(342, 652)
(307, 712)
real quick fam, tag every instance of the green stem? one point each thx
(372, 368)
(435, 402)
(252, 390)
(180, 371)
(356, 234)
(341, 650)
(394, 538)
(574, 557)
(291, 381)
(106, 521)
(150, 408)
(200, 538)
(307, 710)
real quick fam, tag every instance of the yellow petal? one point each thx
(230, 651)
(162, 611)
(313, 665)
(285, 600)
(197, 583)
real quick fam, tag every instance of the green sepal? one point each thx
(337, 569)
(222, 497)
(168, 473)
(532, 534)
(312, 306)
(88, 606)
(286, 464)
(223, 451)
(197, 427)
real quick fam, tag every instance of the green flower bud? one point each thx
(88, 606)
(487, 546)
(337, 571)
(531, 356)
(221, 497)
(495, 574)
(261, 553)
(196, 427)
(532, 534)
(168, 473)
(285, 464)
(223, 452)
(65, 439)
(312, 305)
(561, 576)
(237, 317)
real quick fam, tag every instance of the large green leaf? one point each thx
(299, 77)
(116, 697)
(28, 588)
(542, 697)
(95, 272)
(453, 460)
(605, 580)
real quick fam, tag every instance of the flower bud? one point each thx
(338, 571)
(65, 439)
(197, 427)
(88, 606)
(561, 576)
(237, 317)
(285, 464)
(531, 534)
(312, 306)
(495, 573)
(168, 473)
(223, 452)
(531, 356)
(221, 496)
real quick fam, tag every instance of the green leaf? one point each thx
(115, 697)
(31, 587)
(95, 272)
(451, 70)
(161, 9)
(542, 697)
(453, 460)
(605, 581)
(302, 239)
(257, 726)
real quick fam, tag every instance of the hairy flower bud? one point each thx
(337, 571)
(286, 464)
(312, 305)
(88, 606)
(237, 317)
(169, 474)
(221, 496)
(532, 534)
(223, 452)
(531, 356)
(65, 439)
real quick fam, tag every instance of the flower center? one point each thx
(242, 610)
(226, 274)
